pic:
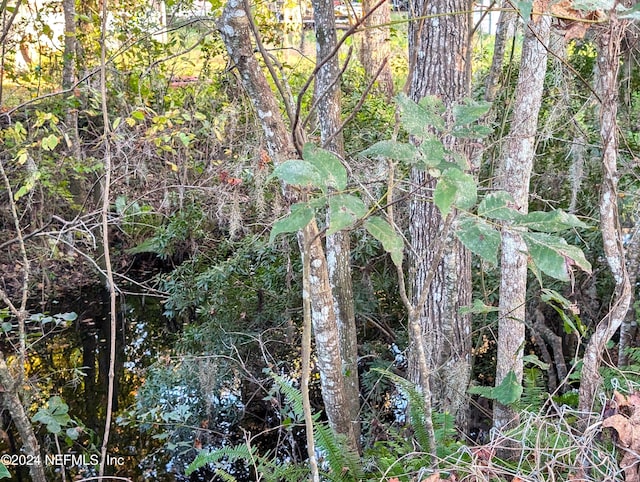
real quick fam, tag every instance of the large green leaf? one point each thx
(391, 241)
(469, 112)
(478, 307)
(471, 132)
(553, 256)
(479, 237)
(524, 7)
(398, 151)
(344, 211)
(632, 13)
(419, 119)
(436, 109)
(455, 188)
(499, 205)
(433, 152)
(551, 221)
(507, 393)
(298, 218)
(332, 172)
(55, 415)
(298, 173)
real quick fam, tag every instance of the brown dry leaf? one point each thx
(576, 30)
(563, 9)
(622, 425)
(538, 7)
(634, 399)
(570, 19)
(620, 399)
(434, 478)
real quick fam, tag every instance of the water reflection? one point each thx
(73, 363)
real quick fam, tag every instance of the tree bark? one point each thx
(629, 325)
(608, 62)
(10, 384)
(235, 30)
(338, 250)
(514, 176)
(505, 31)
(376, 45)
(438, 43)
(11, 401)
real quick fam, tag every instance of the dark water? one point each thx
(72, 362)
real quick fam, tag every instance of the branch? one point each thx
(105, 236)
(319, 65)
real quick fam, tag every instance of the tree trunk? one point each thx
(629, 325)
(438, 46)
(328, 97)
(514, 176)
(608, 62)
(505, 31)
(236, 34)
(376, 45)
(11, 401)
(69, 54)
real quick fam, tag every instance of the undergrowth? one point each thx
(544, 446)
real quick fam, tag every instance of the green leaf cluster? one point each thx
(55, 415)
(507, 393)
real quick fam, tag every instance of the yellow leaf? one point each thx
(173, 166)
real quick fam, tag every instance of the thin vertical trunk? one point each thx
(13, 383)
(376, 45)
(505, 31)
(629, 325)
(438, 43)
(608, 63)
(236, 34)
(69, 54)
(514, 176)
(338, 249)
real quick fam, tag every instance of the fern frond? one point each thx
(292, 395)
(225, 476)
(232, 454)
(534, 393)
(417, 415)
(276, 471)
(344, 463)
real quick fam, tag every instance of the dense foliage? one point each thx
(209, 382)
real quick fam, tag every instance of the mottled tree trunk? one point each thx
(629, 325)
(13, 381)
(236, 34)
(328, 97)
(513, 177)
(438, 48)
(376, 45)
(69, 54)
(608, 62)
(505, 31)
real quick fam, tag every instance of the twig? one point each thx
(105, 236)
(358, 105)
(319, 65)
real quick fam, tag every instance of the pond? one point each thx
(72, 363)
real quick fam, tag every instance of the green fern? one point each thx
(240, 452)
(634, 355)
(534, 394)
(292, 395)
(225, 476)
(344, 464)
(417, 415)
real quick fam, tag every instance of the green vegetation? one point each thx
(204, 218)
